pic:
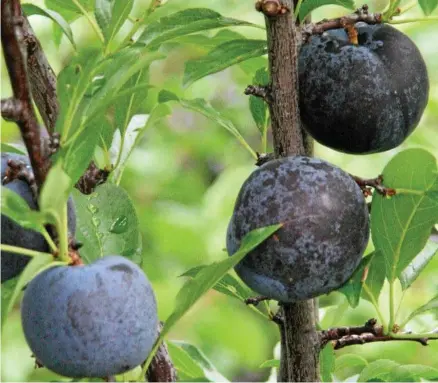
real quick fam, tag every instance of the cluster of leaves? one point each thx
(102, 92)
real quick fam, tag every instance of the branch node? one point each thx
(12, 109)
(255, 300)
(376, 183)
(261, 91)
(271, 8)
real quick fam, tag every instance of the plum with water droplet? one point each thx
(325, 232)
(364, 98)
(15, 235)
(90, 321)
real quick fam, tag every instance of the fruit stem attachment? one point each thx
(61, 229)
(22, 251)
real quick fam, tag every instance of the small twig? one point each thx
(161, 368)
(92, 177)
(262, 91)
(12, 36)
(361, 14)
(376, 183)
(369, 333)
(256, 300)
(11, 109)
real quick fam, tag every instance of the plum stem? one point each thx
(22, 251)
(61, 229)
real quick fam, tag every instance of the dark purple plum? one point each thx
(325, 232)
(90, 321)
(364, 98)
(15, 235)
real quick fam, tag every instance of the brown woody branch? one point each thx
(161, 368)
(376, 183)
(41, 77)
(369, 333)
(346, 22)
(12, 36)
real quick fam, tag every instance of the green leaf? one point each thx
(401, 374)
(271, 363)
(195, 288)
(203, 42)
(416, 371)
(401, 225)
(411, 273)
(36, 265)
(227, 285)
(185, 366)
(348, 361)
(111, 15)
(55, 191)
(353, 287)
(432, 305)
(375, 278)
(16, 208)
(32, 9)
(221, 57)
(186, 22)
(310, 5)
(327, 363)
(428, 6)
(257, 106)
(125, 108)
(73, 82)
(201, 106)
(209, 371)
(334, 314)
(379, 369)
(121, 149)
(62, 6)
(11, 149)
(102, 12)
(107, 224)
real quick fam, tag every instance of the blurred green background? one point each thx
(184, 178)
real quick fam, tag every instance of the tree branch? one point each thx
(376, 183)
(347, 21)
(369, 333)
(12, 40)
(41, 77)
(300, 343)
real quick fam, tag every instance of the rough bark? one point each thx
(299, 338)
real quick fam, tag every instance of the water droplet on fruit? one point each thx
(120, 225)
(92, 208)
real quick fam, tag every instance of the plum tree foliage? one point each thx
(300, 226)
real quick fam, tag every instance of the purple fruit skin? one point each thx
(90, 321)
(366, 98)
(15, 235)
(325, 232)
